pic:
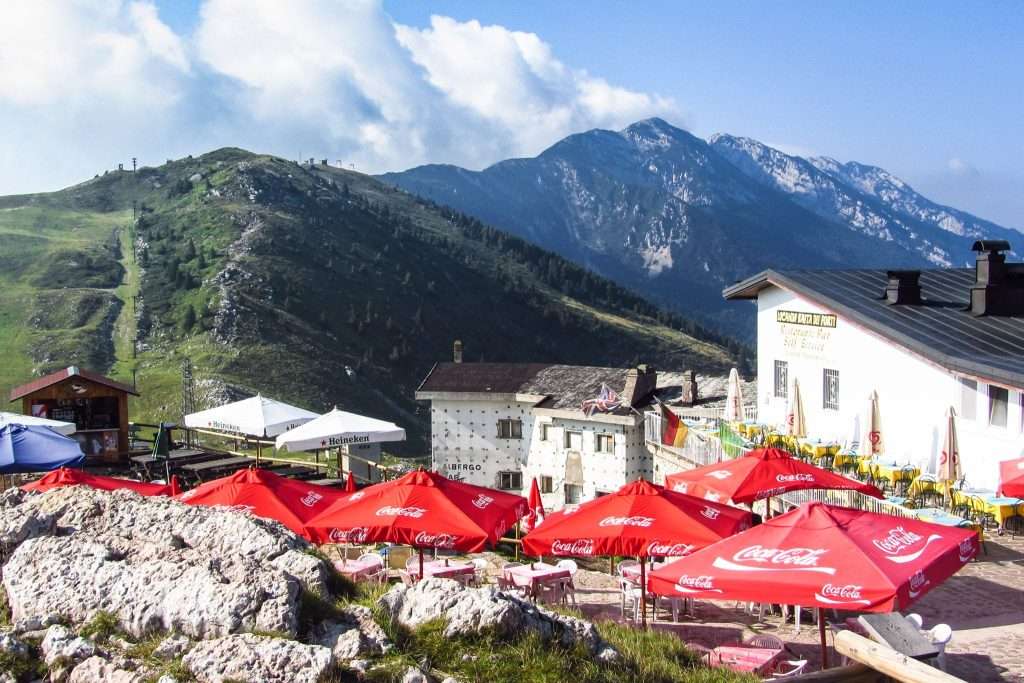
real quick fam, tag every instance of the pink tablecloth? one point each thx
(757, 660)
(632, 572)
(358, 570)
(526, 576)
(438, 568)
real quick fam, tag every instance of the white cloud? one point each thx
(84, 85)
(960, 167)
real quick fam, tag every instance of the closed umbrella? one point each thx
(265, 494)
(640, 519)
(350, 483)
(826, 557)
(422, 509)
(1011, 478)
(65, 428)
(535, 515)
(36, 449)
(760, 474)
(75, 477)
(872, 443)
(734, 398)
(949, 459)
(796, 424)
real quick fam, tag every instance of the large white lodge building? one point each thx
(925, 341)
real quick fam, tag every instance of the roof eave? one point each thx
(750, 287)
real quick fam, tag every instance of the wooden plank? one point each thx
(894, 630)
(176, 457)
(852, 673)
(888, 661)
(216, 464)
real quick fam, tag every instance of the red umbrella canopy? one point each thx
(1011, 478)
(824, 556)
(641, 519)
(265, 494)
(761, 473)
(421, 509)
(70, 477)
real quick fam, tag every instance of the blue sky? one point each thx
(931, 91)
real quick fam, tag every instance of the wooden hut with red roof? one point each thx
(96, 404)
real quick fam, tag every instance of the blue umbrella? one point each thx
(35, 449)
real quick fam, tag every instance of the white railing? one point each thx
(850, 499)
(700, 448)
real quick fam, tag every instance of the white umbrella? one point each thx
(256, 416)
(872, 443)
(338, 428)
(734, 398)
(795, 421)
(949, 459)
(65, 428)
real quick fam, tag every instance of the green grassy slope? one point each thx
(315, 285)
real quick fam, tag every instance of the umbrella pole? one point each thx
(421, 564)
(821, 636)
(768, 507)
(643, 592)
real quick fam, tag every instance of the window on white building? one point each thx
(998, 401)
(605, 443)
(781, 379)
(510, 481)
(574, 440)
(830, 390)
(547, 484)
(545, 432)
(968, 399)
(573, 493)
(510, 429)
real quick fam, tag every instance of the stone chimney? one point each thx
(690, 392)
(457, 351)
(999, 286)
(640, 382)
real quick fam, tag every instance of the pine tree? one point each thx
(189, 321)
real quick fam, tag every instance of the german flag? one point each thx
(673, 431)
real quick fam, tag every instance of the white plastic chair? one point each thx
(941, 634)
(480, 567)
(916, 620)
(630, 593)
(796, 669)
(566, 586)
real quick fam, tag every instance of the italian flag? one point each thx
(673, 431)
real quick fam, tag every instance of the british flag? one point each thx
(606, 402)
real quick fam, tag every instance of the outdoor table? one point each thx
(1001, 507)
(940, 516)
(888, 469)
(896, 631)
(443, 569)
(223, 463)
(817, 448)
(359, 570)
(843, 458)
(757, 660)
(533, 576)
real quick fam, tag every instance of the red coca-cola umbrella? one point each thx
(265, 494)
(826, 557)
(761, 473)
(535, 515)
(72, 477)
(350, 484)
(1011, 478)
(640, 519)
(422, 509)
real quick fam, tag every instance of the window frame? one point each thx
(546, 484)
(829, 389)
(781, 389)
(971, 385)
(567, 440)
(608, 438)
(992, 403)
(545, 429)
(565, 492)
(513, 425)
(511, 474)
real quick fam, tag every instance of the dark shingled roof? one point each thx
(940, 328)
(494, 378)
(61, 375)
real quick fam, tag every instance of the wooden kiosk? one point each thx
(97, 405)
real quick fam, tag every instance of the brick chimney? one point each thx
(457, 351)
(999, 286)
(640, 382)
(690, 391)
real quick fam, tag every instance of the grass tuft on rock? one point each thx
(102, 627)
